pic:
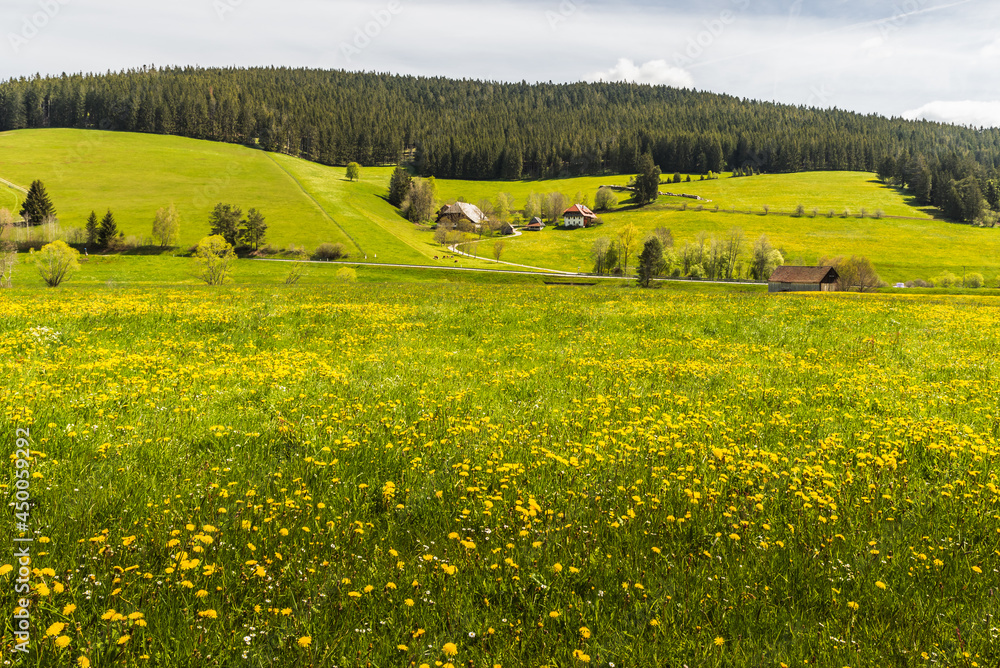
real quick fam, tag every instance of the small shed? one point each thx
(506, 229)
(803, 279)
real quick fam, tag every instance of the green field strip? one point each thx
(319, 206)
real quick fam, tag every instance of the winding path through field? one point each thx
(14, 186)
(517, 233)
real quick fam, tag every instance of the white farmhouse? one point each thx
(578, 216)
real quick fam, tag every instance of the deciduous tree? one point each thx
(214, 259)
(606, 199)
(628, 238)
(166, 225)
(55, 262)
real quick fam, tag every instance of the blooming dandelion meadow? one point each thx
(697, 468)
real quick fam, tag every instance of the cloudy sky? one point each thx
(935, 59)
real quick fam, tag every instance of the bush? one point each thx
(214, 259)
(55, 262)
(347, 274)
(945, 280)
(696, 271)
(328, 252)
(919, 283)
(974, 280)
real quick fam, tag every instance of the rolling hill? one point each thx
(307, 204)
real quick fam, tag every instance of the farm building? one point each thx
(506, 229)
(536, 225)
(578, 216)
(460, 212)
(803, 279)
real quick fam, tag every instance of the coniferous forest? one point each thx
(486, 130)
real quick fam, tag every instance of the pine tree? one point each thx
(108, 230)
(650, 260)
(399, 186)
(647, 182)
(93, 228)
(226, 223)
(37, 205)
(254, 228)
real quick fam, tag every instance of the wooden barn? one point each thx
(803, 279)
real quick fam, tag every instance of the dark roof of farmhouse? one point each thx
(804, 275)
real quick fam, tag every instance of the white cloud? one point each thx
(967, 112)
(991, 50)
(656, 72)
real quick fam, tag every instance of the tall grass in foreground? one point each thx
(382, 475)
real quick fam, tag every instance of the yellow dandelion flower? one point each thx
(201, 593)
(409, 602)
(881, 585)
(450, 648)
(55, 629)
(584, 632)
(209, 614)
(402, 648)
(719, 641)
(83, 662)
(69, 609)
(557, 568)
(554, 614)
(5, 569)
(62, 641)
(305, 641)
(354, 594)
(580, 656)
(977, 569)
(124, 639)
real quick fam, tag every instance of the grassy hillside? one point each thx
(905, 245)
(307, 204)
(135, 174)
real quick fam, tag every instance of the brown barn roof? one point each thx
(804, 275)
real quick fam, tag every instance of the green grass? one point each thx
(449, 190)
(135, 174)
(901, 250)
(820, 190)
(307, 204)
(381, 472)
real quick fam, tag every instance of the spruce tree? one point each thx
(650, 260)
(93, 228)
(254, 228)
(226, 222)
(37, 205)
(647, 182)
(108, 230)
(399, 186)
